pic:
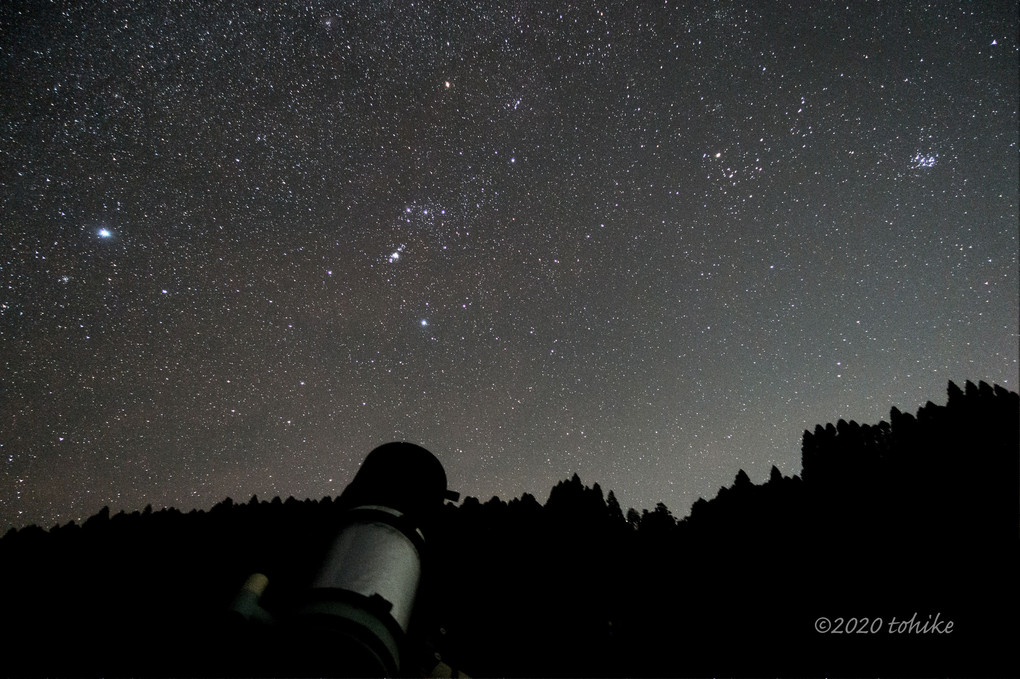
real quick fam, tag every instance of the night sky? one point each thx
(244, 243)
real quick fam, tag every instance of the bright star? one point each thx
(105, 233)
(424, 322)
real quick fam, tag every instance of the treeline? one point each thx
(917, 515)
(908, 519)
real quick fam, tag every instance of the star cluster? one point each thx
(242, 244)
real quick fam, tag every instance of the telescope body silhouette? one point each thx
(354, 619)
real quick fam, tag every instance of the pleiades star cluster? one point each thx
(244, 243)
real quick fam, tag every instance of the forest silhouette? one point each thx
(909, 519)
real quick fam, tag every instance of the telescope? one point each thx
(354, 618)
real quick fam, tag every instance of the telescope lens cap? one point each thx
(400, 475)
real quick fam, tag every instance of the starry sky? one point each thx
(244, 243)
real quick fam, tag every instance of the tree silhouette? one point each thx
(613, 510)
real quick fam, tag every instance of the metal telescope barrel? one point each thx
(355, 617)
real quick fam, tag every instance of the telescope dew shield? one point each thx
(363, 596)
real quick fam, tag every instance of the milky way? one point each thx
(242, 244)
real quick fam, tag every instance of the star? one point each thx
(104, 233)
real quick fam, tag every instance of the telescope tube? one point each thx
(358, 610)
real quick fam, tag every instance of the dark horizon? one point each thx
(778, 578)
(971, 391)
